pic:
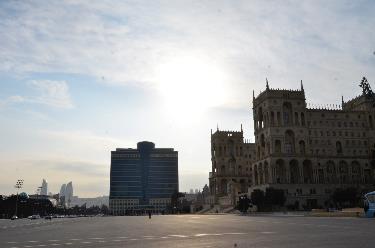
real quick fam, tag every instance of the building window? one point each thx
(338, 148)
(302, 148)
(303, 119)
(296, 120)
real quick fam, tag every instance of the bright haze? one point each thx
(79, 79)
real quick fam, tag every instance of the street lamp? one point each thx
(18, 186)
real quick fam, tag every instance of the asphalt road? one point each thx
(190, 231)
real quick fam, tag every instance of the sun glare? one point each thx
(190, 85)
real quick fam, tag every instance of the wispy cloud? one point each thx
(11, 100)
(52, 93)
(123, 42)
(47, 92)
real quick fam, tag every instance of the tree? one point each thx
(257, 198)
(243, 204)
(348, 195)
(275, 197)
(175, 200)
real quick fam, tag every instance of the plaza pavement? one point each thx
(189, 231)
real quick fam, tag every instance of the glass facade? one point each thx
(144, 174)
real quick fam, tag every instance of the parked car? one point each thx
(14, 217)
(34, 217)
(369, 204)
(48, 217)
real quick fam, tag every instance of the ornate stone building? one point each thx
(232, 157)
(307, 151)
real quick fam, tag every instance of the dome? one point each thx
(23, 195)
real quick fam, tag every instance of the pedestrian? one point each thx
(149, 214)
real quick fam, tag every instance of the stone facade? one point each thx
(231, 157)
(308, 152)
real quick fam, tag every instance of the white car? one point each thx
(34, 217)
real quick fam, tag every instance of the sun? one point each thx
(190, 85)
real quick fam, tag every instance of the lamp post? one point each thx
(18, 186)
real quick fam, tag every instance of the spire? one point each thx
(267, 86)
(302, 86)
(342, 101)
(211, 131)
(241, 127)
(217, 126)
(253, 95)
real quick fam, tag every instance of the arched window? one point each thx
(272, 118)
(338, 147)
(302, 119)
(302, 148)
(260, 118)
(296, 120)
(289, 142)
(294, 171)
(287, 113)
(260, 172)
(224, 186)
(222, 169)
(277, 146)
(331, 172)
(344, 172)
(266, 174)
(240, 170)
(356, 172)
(278, 119)
(231, 148)
(307, 172)
(280, 171)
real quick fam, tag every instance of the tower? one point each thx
(44, 188)
(280, 130)
(69, 193)
(231, 158)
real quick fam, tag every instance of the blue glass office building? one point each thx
(142, 178)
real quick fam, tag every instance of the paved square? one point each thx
(189, 231)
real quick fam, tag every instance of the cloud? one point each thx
(123, 42)
(52, 93)
(48, 92)
(11, 100)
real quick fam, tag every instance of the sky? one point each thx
(79, 79)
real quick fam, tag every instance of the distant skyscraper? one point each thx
(142, 178)
(62, 194)
(69, 193)
(62, 190)
(44, 188)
